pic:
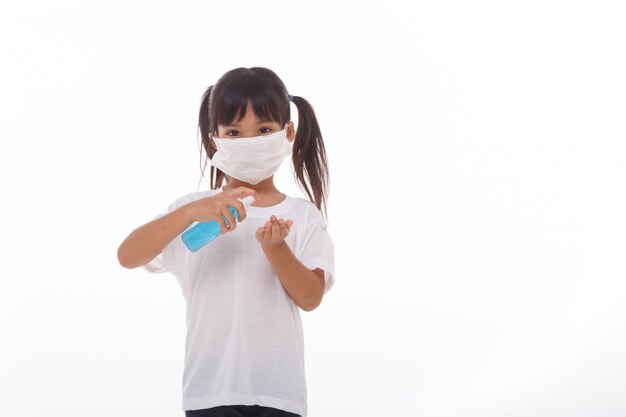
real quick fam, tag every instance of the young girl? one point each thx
(244, 350)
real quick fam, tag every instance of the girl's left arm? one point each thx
(305, 286)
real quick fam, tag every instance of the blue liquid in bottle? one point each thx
(204, 232)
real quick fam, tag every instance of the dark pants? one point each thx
(239, 411)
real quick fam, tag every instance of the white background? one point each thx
(477, 199)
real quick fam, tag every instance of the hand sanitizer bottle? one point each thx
(204, 232)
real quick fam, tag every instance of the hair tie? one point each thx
(290, 97)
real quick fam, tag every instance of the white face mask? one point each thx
(251, 159)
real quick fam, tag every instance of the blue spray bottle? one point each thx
(204, 232)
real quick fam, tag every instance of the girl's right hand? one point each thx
(216, 206)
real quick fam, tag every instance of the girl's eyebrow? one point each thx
(258, 122)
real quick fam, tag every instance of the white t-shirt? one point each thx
(244, 343)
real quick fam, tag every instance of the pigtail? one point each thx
(309, 155)
(205, 126)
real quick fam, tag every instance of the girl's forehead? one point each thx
(249, 119)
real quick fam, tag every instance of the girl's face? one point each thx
(250, 126)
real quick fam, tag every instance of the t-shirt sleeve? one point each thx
(319, 251)
(170, 258)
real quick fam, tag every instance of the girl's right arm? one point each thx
(145, 242)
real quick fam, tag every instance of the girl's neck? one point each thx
(269, 195)
(264, 188)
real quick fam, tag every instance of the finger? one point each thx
(223, 226)
(238, 206)
(275, 227)
(283, 227)
(230, 219)
(267, 233)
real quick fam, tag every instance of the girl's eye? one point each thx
(237, 132)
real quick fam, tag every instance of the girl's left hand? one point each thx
(274, 232)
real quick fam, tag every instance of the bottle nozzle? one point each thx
(247, 200)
